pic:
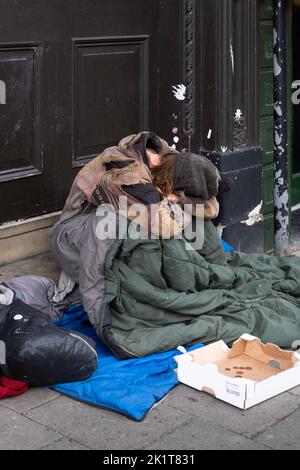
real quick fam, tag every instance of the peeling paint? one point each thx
(254, 216)
(277, 108)
(281, 196)
(277, 68)
(281, 215)
(278, 138)
(281, 149)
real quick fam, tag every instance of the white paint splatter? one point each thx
(254, 216)
(179, 91)
(176, 140)
(238, 115)
(224, 149)
(209, 133)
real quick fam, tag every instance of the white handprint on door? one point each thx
(179, 91)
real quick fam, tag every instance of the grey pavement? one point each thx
(185, 420)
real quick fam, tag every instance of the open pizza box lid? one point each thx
(245, 375)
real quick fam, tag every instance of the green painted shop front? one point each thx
(266, 110)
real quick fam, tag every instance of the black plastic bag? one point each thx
(38, 352)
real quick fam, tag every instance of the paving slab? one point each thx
(284, 435)
(17, 432)
(104, 429)
(201, 435)
(248, 422)
(295, 391)
(65, 444)
(31, 399)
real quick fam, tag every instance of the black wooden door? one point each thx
(75, 77)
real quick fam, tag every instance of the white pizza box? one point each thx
(245, 375)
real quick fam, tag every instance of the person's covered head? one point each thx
(190, 173)
(196, 176)
(172, 172)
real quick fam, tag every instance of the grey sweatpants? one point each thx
(81, 255)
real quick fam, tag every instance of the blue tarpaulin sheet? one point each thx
(130, 387)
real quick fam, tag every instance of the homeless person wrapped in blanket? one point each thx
(151, 294)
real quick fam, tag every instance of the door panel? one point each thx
(266, 9)
(268, 178)
(266, 95)
(79, 77)
(269, 231)
(267, 139)
(110, 79)
(266, 31)
(19, 136)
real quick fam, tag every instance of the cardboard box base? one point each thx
(249, 373)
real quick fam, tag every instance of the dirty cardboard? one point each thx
(245, 375)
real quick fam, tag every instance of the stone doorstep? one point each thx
(26, 238)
